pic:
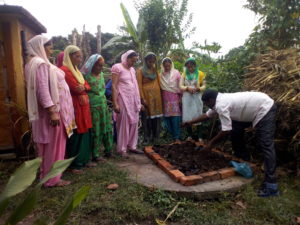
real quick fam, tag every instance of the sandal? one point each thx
(91, 164)
(62, 183)
(77, 171)
(99, 159)
(136, 151)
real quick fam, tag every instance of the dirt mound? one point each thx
(190, 160)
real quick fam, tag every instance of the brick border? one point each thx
(179, 177)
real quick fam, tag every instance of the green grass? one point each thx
(132, 203)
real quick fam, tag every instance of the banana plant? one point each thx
(23, 178)
(137, 39)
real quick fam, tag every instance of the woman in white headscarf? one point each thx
(171, 95)
(50, 106)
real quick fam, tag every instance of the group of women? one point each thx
(68, 109)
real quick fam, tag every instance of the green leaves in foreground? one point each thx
(71, 204)
(23, 178)
(58, 167)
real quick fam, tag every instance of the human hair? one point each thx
(192, 62)
(209, 94)
(150, 56)
(166, 60)
(132, 54)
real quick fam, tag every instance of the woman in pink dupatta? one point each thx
(50, 107)
(126, 103)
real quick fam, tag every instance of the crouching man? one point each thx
(238, 111)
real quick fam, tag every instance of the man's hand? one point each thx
(186, 124)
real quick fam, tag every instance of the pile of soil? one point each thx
(191, 160)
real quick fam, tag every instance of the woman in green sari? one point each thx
(101, 117)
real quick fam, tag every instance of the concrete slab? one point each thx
(142, 170)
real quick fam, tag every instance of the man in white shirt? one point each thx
(238, 111)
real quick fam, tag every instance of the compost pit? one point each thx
(190, 159)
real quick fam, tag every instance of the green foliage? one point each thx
(71, 204)
(22, 179)
(164, 22)
(279, 25)
(25, 208)
(59, 42)
(209, 48)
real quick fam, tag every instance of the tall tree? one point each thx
(279, 24)
(167, 23)
(59, 42)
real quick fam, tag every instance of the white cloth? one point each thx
(37, 51)
(169, 81)
(241, 106)
(192, 105)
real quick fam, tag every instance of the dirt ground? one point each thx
(191, 160)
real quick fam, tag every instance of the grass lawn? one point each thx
(133, 204)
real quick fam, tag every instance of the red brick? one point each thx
(155, 157)
(175, 174)
(254, 167)
(210, 176)
(191, 180)
(164, 165)
(226, 172)
(148, 149)
(200, 143)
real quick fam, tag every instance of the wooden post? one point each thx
(98, 39)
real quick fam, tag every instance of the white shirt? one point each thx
(241, 106)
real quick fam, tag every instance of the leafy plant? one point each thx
(23, 178)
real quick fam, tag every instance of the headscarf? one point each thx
(168, 81)
(37, 51)
(60, 59)
(88, 66)
(125, 56)
(145, 70)
(194, 75)
(68, 63)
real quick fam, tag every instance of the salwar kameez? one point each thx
(172, 113)
(51, 140)
(79, 144)
(151, 95)
(101, 117)
(128, 99)
(192, 105)
(171, 96)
